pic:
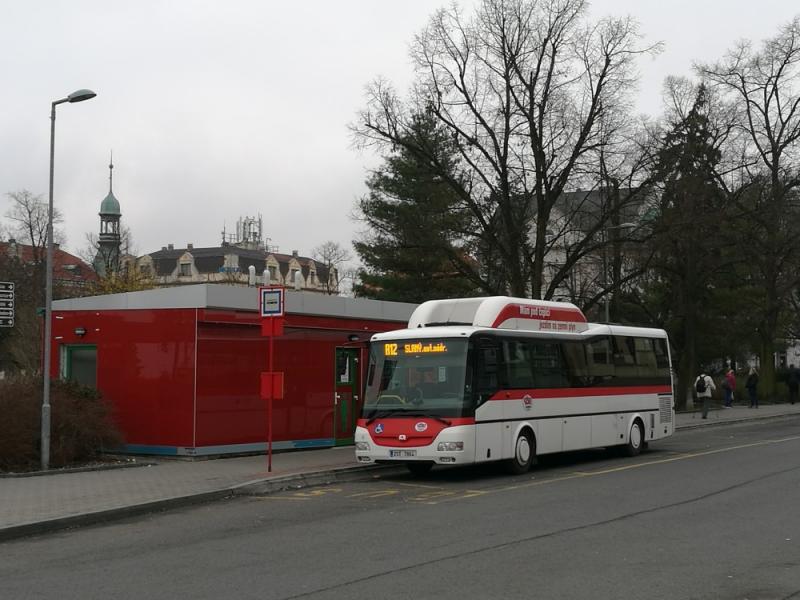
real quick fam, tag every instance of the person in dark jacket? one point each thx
(752, 384)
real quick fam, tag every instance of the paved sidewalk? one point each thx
(43, 503)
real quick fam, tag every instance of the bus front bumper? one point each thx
(453, 445)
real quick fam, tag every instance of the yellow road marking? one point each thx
(374, 494)
(472, 493)
(317, 492)
(431, 495)
(281, 498)
(420, 485)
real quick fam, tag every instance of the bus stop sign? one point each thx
(271, 301)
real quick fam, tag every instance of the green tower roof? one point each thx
(110, 205)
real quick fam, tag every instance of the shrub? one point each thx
(80, 424)
(19, 428)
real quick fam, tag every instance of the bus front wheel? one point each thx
(635, 439)
(524, 453)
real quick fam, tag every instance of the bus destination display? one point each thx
(396, 349)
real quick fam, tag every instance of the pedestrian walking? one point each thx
(793, 382)
(703, 387)
(729, 387)
(752, 384)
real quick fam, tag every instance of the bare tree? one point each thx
(530, 92)
(28, 214)
(21, 345)
(764, 84)
(332, 256)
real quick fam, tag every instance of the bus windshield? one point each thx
(420, 377)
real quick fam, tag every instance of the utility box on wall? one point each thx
(182, 366)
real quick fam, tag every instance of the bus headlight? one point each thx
(450, 446)
(363, 446)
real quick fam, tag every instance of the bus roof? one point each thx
(455, 331)
(501, 312)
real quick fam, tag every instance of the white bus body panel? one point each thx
(489, 437)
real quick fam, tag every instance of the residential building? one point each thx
(243, 258)
(70, 273)
(230, 263)
(577, 228)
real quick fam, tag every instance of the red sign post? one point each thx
(271, 307)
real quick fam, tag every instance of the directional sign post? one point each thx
(6, 303)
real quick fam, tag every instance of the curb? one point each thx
(265, 487)
(257, 487)
(736, 421)
(111, 514)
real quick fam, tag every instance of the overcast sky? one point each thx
(221, 109)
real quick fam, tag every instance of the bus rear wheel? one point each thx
(635, 439)
(419, 468)
(524, 453)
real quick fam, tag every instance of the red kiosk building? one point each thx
(182, 366)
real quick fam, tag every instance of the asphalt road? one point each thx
(711, 513)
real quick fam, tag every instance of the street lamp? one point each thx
(605, 260)
(77, 96)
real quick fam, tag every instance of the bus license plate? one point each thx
(402, 453)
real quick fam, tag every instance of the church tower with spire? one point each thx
(107, 260)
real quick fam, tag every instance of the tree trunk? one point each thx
(766, 379)
(537, 274)
(686, 363)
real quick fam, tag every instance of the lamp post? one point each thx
(605, 260)
(77, 96)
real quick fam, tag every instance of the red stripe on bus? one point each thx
(543, 313)
(581, 392)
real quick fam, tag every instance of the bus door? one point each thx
(346, 402)
(487, 381)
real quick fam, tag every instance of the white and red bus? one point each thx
(489, 379)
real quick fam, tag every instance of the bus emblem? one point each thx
(379, 428)
(527, 402)
(421, 426)
(402, 437)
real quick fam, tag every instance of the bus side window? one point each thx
(577, 369)
(549, 367)
(624, 352)
(519, 362)
(598, 358)
(625, 367)
(646, 359)
(662, 357)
